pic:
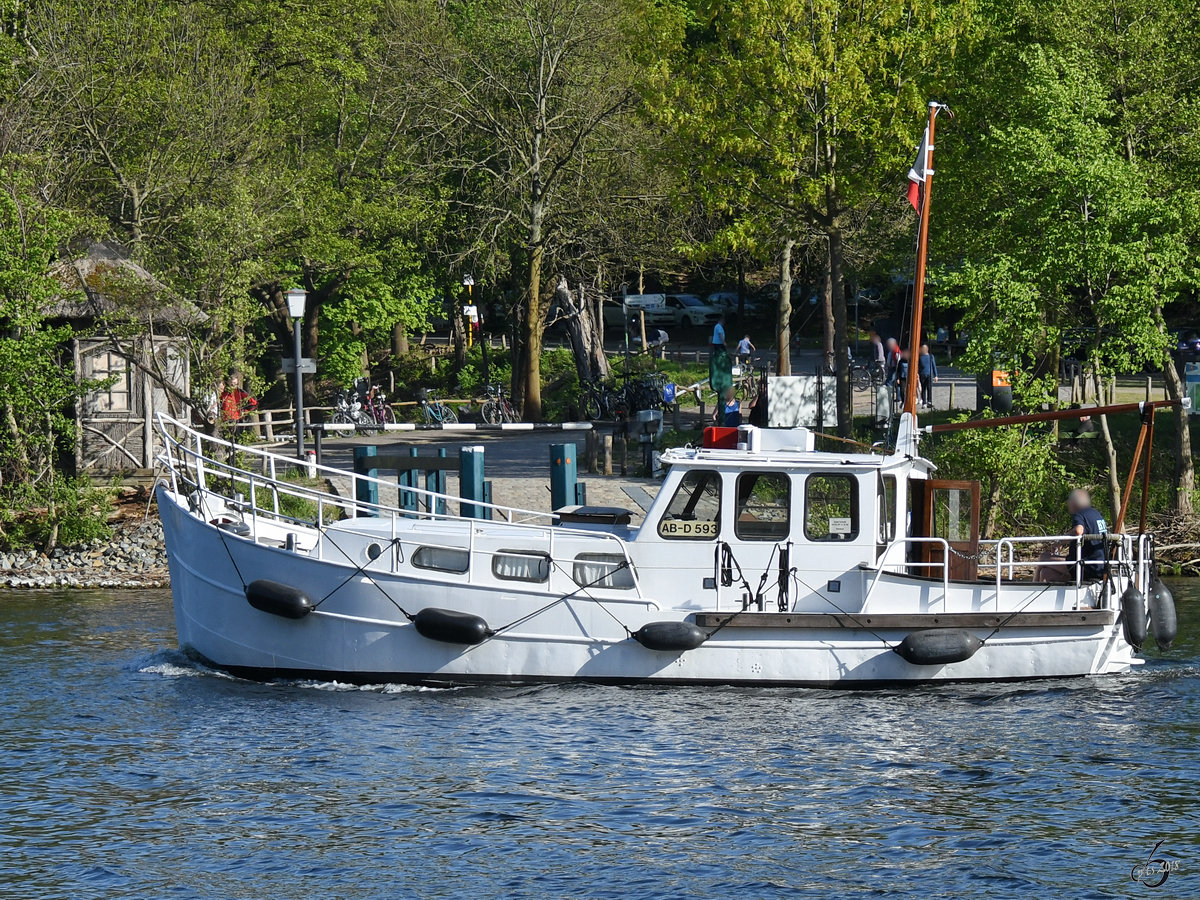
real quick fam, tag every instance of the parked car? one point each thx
(688, 310)
(727, 302)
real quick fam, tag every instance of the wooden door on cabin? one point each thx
(949, 510)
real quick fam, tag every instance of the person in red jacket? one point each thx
(235, 402)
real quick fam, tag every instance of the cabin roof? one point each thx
(788, 459)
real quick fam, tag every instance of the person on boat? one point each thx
(928, 373)
(729, 411)
(1085, 519)
(235, 402)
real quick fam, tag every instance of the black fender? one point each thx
(278, 599)
(670, 636)
(1133, 616)
(1164, 624)
(451, 627)
(939, 646)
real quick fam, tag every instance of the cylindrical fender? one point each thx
(1133, 616)
(939, 646)
(670, 636)
(1164, 624)
(451, 627)
(278, 599)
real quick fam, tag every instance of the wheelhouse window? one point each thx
(887, 508)
(831, 508)
(695, 510)
(763, 506)
(521, 565)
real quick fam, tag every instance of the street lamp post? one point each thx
(296, 299)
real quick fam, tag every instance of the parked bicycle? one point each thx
(866, 375)
(497, 409)
(436, 412)
(375, 405)
(598, 400)
(348, 409)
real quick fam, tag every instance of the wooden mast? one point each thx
(914, 340)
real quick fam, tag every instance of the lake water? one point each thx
(127, 772)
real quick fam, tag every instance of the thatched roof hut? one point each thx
(106, 285)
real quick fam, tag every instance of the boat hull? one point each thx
(361, 631)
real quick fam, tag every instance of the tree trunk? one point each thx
(531, 335)
(581, 333)
(783, 322)
(459, 336)
(827, 348)
(399, 340)
(1185, 471)
(1114, 477)
(841, 354)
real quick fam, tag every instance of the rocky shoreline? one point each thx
(133, 557)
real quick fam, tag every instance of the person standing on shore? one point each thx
(718, 337)
(235, 402)
(928, 373)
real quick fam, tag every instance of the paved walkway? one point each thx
(518, 465)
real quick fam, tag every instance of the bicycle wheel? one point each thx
(491, 412)
(387, 416)
(341, 417)
(862, 379)
(508, 413)
(446, 415)
(590, 406)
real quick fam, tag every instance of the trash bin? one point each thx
(993, 390)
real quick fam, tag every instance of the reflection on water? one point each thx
(130, 772)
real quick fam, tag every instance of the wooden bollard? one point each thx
(675, 415)
(591, 451)
(623, 449)
(951, 406)
(1149, 387)
(608, 454)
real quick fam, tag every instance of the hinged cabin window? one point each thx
(763, 506)
(831, 508)
(695, 510)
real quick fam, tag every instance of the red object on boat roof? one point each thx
(720, 438)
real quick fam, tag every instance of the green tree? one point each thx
(523, 101)
(802, 114)
(1058, 237)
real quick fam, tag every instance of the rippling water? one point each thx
(128, 772)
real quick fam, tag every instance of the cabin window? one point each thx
(695, 510)
(887, 509)
(831, 508)
(521, 565)
(442, 559)
(952, 514)
(603, 570)
(763, 506)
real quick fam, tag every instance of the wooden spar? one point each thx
(1146, 474)
(1133, 469)
(1051, 416)
(914, 338)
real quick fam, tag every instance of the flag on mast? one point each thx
(917, 174)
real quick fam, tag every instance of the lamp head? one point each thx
(296, 299)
